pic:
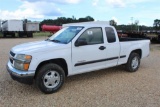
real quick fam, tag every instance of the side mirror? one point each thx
(81, 42)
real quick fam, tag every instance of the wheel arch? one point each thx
(138, 51)
(59, 61)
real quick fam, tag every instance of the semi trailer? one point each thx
(23, 29)
(154, 37)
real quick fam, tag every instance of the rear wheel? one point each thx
(4, 35)
(50, 78)
(133, 62)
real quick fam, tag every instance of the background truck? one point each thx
(76, 48)
(22, 28)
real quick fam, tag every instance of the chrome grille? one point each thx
(12, 54)
(11, 60)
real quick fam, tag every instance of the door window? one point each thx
(92, 36)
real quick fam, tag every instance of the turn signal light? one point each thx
(28, 57)
(26, 66)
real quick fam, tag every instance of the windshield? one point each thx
(66, 34)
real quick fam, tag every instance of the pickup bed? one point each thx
(77, 48)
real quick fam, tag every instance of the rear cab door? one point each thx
(112, 46)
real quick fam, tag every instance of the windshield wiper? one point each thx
(57, 41)
(47, 39)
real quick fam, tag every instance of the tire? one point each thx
(13, 35)
(4, 35)
(20, 35)
(50, 78)
(30, 34)
(133, 62)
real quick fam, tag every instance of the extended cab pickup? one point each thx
(77, 48)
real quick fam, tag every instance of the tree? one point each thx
(86, 19)
(82, 20)
(113, 23)
(89, 18)
(74, 19)
(156, 24)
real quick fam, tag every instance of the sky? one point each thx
(122, 11)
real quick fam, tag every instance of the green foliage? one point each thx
(123, 27)
(86, 19)
(113, 23)
(133, 27)
(0, 34)
(156, 24)
(63, 20)
(42, 34)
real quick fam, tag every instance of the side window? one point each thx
(111, 37)
(92, 36)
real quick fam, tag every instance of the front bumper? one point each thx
(25, 77)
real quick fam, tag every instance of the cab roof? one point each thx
(89, 24)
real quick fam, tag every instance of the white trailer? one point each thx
(12, 25)
(31, 26)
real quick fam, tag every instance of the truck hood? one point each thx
(39, 46)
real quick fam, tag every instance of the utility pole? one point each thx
(131, 23)
(137, 22)
(138, 28)
(0, 25)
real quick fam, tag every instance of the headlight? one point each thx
(22, 62)
(18, 65)
(23, 57)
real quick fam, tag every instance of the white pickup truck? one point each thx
(77, 48)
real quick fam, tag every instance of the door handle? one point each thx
(102, 47)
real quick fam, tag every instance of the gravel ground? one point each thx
(113, 87)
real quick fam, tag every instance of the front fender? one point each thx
(44, 56)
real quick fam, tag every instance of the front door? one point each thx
(92, 54)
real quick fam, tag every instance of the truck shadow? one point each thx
(104, 73)
(10, 87)
(117, 69)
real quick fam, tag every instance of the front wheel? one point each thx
(133, 62)
(50, 78)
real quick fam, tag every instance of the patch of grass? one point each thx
(0, 34)
(151, 35)
(36, 34)
(151, 49)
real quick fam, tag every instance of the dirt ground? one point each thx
(113, 87)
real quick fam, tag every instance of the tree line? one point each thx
(132, 27)
(136, 27)
(63, 20)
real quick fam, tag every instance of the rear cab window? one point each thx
(111, 37)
